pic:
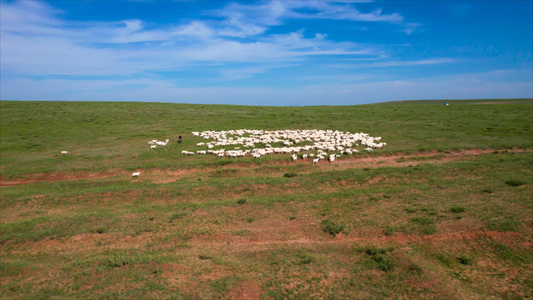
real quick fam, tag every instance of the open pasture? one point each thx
(444, 211)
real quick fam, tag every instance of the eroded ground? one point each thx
(426, 225)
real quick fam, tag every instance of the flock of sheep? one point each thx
(315, 140)
(321, 141)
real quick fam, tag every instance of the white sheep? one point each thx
(315, 161)
(153, 146)
(64, 152)
(294, 157)
(319, 140)
(136, 174)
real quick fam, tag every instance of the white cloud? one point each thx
(411, 28)
(35, 42)
(327, 10)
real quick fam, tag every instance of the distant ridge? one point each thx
(462, 102)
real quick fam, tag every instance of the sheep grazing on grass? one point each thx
(64, 152)
(283, 141)
(315, 161)
(136, 174)
(155, 143)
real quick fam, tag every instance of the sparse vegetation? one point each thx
(331, 227)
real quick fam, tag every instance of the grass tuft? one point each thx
(177, 215)
(465, 259)
(331, 227)
(515, 182)
(457, 209)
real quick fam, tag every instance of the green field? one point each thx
(445, 211)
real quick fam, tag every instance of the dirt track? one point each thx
(391, 160)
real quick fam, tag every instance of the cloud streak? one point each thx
(35, 41)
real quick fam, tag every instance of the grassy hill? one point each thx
(443, 212)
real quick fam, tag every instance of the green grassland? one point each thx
(445, 211)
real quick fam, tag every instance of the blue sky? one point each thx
(266, 52)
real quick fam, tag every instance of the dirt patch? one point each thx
(168, 176)
(59, 177)
(247, 290)
(266, 239)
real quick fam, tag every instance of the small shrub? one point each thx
(241, 201)
(292, 218)
(385, 262)
(487, 190)
(422, 220)
(430, 229)
(414, 268)
(514, 182)
(290, 174)
(331, 227)
(304, 258)
(465, 259)
(444, 259)
(457, 209)
(373, 250)
(100, 230)
(389, 230)
(306, 261)
(242, 232)
(177, 215)
(250, 220)
(224, 162)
